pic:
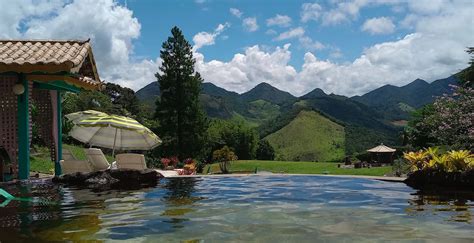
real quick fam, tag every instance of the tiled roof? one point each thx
(50, 56)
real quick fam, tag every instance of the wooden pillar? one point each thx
(57, 166)
(23, 131)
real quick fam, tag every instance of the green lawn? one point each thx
(299, 168)
(40, 161)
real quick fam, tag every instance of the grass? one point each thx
(309, 137)
(40, 161)
(291, 167)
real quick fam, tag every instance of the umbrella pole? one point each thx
(115, 140)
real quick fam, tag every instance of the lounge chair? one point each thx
(72, 166)
(97, 159)
(131, 161)
(68, 155)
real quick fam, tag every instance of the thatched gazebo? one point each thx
(383, 154)
(38, 72)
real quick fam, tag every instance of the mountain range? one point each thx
(372, 118)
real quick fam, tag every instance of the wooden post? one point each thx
(57, 165)
(23, 131)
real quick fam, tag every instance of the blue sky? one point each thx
(158, 17)
(345, 47)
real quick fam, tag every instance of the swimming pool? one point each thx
(251, 208)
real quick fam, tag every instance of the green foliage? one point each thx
(87, 100)
(265, 150)
(449, 121)
(123, 99)
(358, 138)
(239, 136)
(418, 131)
(309, 137)
(182, 121)
(224, 157)
(466, 76)
(294, 167)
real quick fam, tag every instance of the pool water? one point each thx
(235, 209)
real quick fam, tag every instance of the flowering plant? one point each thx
(189, 167)
(189, 161)
(174, 161)
(165, 162)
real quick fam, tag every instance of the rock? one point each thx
(111, 179)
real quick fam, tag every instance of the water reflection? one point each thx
(452, 205)
(239, 209)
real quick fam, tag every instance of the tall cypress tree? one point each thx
(182, 121)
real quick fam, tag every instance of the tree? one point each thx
(237, 135)
(418, 133)
(124, 99)
(182, 122)
(265, 150)
(87, 100)
(466, 76)
(449, 121)
(224, 156)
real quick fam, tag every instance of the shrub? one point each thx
(224, 156)
(265, 150)
(165, 162)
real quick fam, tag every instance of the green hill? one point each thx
(309, 137)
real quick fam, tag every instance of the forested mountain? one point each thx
(396, 103)
(265, 91)
(366, 120)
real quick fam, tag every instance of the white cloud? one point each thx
(206, 39)
(246, 70)
(336, 12)
(236, 12)
(427, 6)
(250, 24)
(434, 50)
(271, 32)
(377, 26)
(310, 11)
(292, 33)
(279, 20)
(310, 45)
(110, 26)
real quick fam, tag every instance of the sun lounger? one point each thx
(67, 155)
(72, 166)
(131, 161)
(97, 159)
(167, 173)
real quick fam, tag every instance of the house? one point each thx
(36, 73)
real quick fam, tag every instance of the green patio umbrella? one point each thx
(111, 131)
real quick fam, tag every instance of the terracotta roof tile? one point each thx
(49, 56)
